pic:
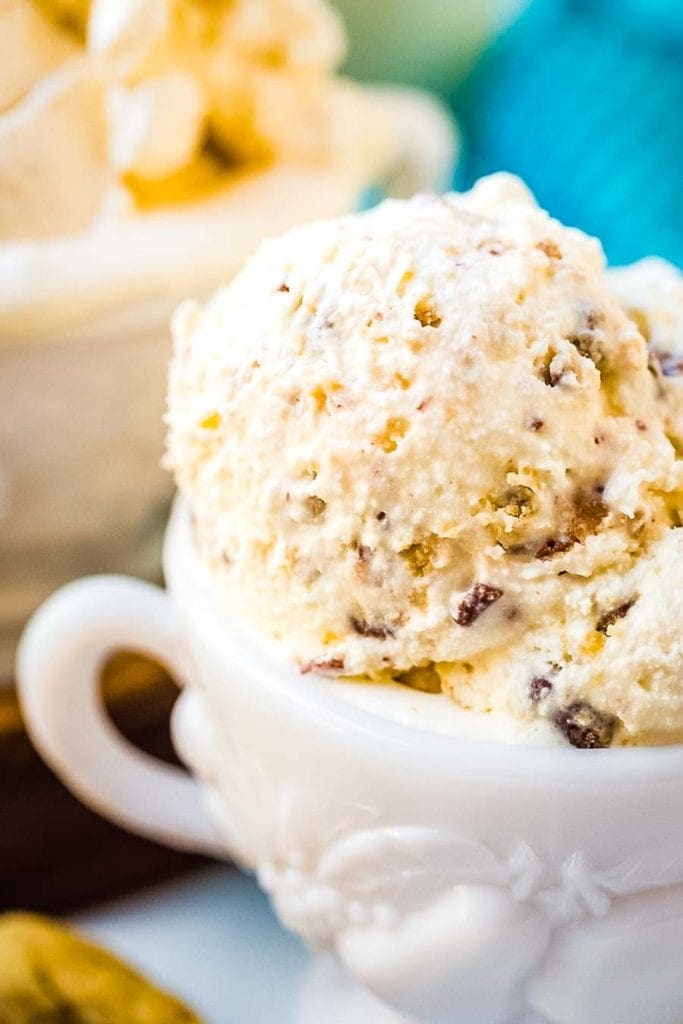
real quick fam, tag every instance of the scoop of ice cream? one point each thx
(651, 292)
(53, 150)
(264, 71)
(180, 95)
(425, 441)
(146, 146)
(31, 46)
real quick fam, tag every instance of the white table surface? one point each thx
(212, 939)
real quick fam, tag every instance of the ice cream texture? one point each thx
(426, 444)
(651, 292)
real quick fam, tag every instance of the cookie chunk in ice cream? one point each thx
(424, 442)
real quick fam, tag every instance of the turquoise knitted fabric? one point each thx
(584, 100)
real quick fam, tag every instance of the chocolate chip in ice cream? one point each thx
(552, 377)
(587, 513)
(363, 553)
(585, 727)
(588, 510)
(323, 665)
(539, 689)
(608, 618)
(555, 368)
(478, 598)
(377, 630)
(363, 560)
(555, 546)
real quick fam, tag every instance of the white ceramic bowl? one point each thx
(81, 488)
(458, 880)
(84, 346)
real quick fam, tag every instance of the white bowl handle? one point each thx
(58, 671)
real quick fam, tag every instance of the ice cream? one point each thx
(424, 442)
(126, 123)
(651, 292)
(187, 92)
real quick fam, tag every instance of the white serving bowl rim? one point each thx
(190, 589)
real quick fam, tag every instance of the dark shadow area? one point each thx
(55, 855)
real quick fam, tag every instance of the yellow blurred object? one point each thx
(50, 974)
(208, 174)
(71, 15)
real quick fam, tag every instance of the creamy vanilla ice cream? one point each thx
(424, 443)
(129, 129)
(651, 292)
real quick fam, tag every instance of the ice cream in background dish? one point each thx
(146, 147)
(129, 128)
(424, 443)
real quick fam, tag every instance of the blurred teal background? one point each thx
(581, 98)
